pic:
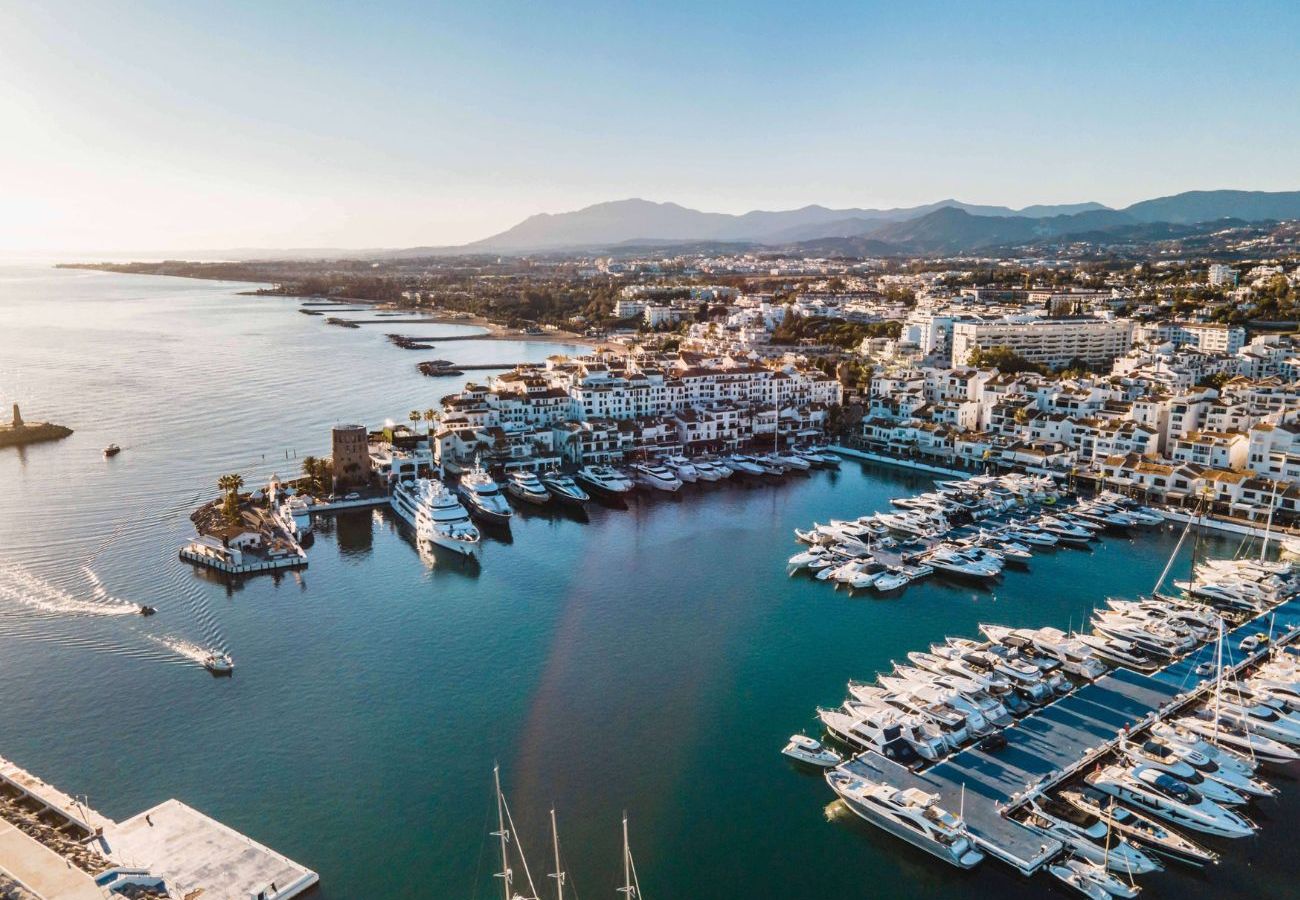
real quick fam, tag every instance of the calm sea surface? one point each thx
(652, 659)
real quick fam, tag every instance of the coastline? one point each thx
(496, 331)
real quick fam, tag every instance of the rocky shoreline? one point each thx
(36, 433)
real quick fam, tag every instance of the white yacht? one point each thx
(1227, 760)
(436, 515)
(1119, 652)
(804, 749)
(294, 515)
(1089, 842)
(1234, 737)
(654, 475)
(483, 497)
(606, 481)
(683, 468)
(1165, 796)
(910, 814)
(955, 564)
(792, 460)
(526, 486)
(1166, 762)
(708, 470)
(1074, 656)
(565, 490)
(1090, 879)
(1156, 748)
(881, 731)
(744, 465)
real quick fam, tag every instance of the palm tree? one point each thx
(414, 417)
(311, 468)
(430, 416)
(231, 485)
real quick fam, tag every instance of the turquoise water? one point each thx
(652, 659)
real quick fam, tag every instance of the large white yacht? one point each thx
(565, 489)
(436, 515)
(605, 481)
(526, 486)
(910, 814)
(683, 468)
(483, 497)
(1156, 792)
(654, 475)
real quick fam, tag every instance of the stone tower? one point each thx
(18, 417)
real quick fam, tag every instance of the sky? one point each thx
(169, 126)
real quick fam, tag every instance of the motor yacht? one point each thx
(791, 461)
(1161, 794)
(483, 497)
(809, 751)
(770, 464)
(1032, 535)
(294, 516)
(951, 722)
(655, 476)
(892, 579)
(219, 664)
(1065, 532)
(1179, 736)
(1086, 837)
(1258, 718)
(683, 468)
(745, 465)
(953, 563)
(880, 731)
(1224, 595)
(605, 481)
(112, 450)
(565, 490)
(1156, 749)
(1155, 640)
(708, 470)
(1074, 656)
(1232, 735)
(1072, 874)
(1138, 828)
(909, 814)
(526, 486)
(436, 515)
(1221, 794)
(1119, 652)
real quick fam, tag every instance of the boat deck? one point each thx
(1058, 741)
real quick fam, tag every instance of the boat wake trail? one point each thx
(187, 649)
(21, 586)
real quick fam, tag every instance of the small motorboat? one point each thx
(147, 610)
(112, 450)
(811, 752)
(219, 663)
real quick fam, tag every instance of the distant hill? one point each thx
(635, 220)
(1205, 206)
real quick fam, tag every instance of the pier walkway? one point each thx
(1060, 740)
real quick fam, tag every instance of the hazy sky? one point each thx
(181, 125)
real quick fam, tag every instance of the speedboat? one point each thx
(112, 450)
(804, 749)
(483, 497)
(683, 468)
(654, 475)
(1163, 795)
(219, 663)
(565, 490)
(606, 481)
(910, 814)
(952, 563)
(436, 515)
(1138, 828)
(526, 486)
(770, 464)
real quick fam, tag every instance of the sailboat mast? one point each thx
(558, 874)
(1268, 526)
(627, 861)
(502, 834)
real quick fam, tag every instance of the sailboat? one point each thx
(507, 834)
(559, 873)
(631, 888)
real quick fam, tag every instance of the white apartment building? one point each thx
(1211, 337)
(1221, 275)
(1052, 342)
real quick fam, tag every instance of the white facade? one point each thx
(1052, 342)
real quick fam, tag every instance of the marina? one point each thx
(566, 621)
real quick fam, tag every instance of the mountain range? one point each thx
(948, 226)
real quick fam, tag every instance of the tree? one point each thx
(1002, 358)
(311, 468)
(231, 484)
(414, 416)
(430, 416)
